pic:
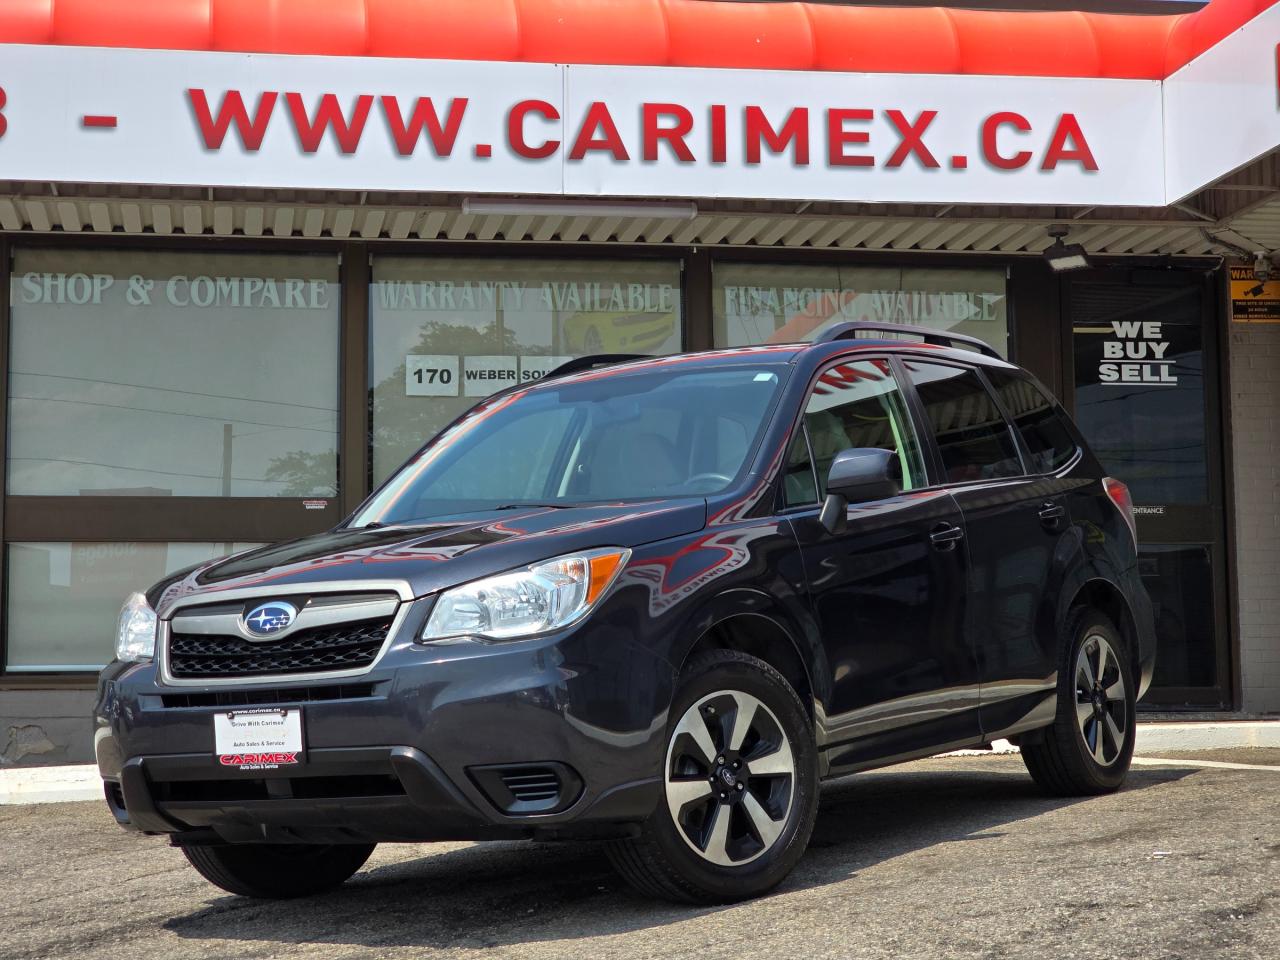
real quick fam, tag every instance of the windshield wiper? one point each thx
(549, 506)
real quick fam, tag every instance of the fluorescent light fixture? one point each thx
(562, 208)
(1061, 256)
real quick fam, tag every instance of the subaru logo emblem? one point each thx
(269, 618)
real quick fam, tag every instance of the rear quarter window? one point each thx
(1040, 422)
(973, 436)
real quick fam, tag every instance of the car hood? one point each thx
(439, 553)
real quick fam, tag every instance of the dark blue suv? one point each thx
(653, 602)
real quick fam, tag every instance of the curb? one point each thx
(50, 784)
(1155, 738)
(1224, 735)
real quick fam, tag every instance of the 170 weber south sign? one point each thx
(225, 119)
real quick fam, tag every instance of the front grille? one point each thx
(343, 646)
(269, 696)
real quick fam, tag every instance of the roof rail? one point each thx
(579, 364)
(941, 338)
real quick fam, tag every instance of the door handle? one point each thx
(945, 536)
(1050, 513)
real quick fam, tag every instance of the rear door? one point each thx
(1014, 518)
(889, 590)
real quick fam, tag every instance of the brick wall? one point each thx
(1255, 422)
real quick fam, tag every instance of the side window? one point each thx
(973, 437)
(799, 487)
(1040, 422)
(858, 404)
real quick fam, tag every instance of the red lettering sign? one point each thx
(990, 149)
(407, 135)
(795, 129)
(664, 131)
(232, 111)
(1068, 129)
(910, 141)
(328, 115)
(598, 132)
(515, 129)
(653, 114)
(838, 138)
(257, 759)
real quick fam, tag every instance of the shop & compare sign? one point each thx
(228, 119)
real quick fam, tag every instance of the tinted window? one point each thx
(858, 404)
(1040, 421)
(972, 436)
(638, 434)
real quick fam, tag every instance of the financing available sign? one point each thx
(258, 120)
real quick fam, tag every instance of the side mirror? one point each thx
(859, 475)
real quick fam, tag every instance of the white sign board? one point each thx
(484, 375)
(434, 375)
(535, 368)
(263, 738)
(1221, 109)
(265, 120)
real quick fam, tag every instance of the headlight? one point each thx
(543, 597)
(136, 637)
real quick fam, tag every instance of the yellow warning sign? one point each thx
(1251, 300)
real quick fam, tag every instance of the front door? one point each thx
(887, 591)
(1146, 398)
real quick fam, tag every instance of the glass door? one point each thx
(1146, 395)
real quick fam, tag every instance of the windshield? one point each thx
(648, 433)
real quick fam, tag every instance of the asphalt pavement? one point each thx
(954, 857)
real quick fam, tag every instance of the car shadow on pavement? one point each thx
(500, 894)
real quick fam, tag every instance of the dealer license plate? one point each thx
(262, 738)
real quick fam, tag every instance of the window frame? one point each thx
(799, 424)
(1017, 373)
(923, 425)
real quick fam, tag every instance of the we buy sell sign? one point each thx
(199, 118)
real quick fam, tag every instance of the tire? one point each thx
(1069, 762)
(742, 837)
(278, 871)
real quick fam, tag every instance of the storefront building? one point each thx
(251, 256)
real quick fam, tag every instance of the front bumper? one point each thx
(413, 750)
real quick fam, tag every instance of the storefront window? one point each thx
(63, 598)
(780, 303)
(446, 332)
(173, 374)
(1140, 390)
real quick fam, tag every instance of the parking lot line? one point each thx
(1215, 764)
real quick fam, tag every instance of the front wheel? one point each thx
(1088, 748)
(278, 871)
(740, 787)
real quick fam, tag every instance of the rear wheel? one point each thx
(278, 871)
(740, 787)
(1088, 748)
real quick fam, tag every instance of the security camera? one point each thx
(1262, 267)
